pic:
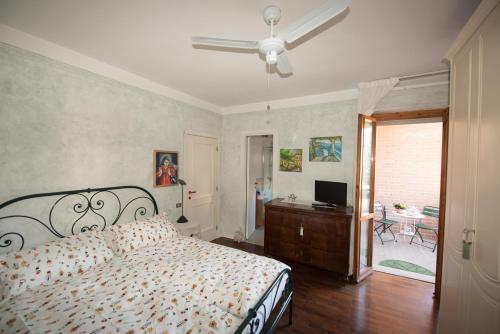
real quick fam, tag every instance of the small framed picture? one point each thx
(166, 168)
(291, 160)
(327, 149)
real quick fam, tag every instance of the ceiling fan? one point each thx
(273, 47)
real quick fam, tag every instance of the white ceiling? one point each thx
(371, 40)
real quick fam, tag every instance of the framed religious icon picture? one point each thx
(166, 168)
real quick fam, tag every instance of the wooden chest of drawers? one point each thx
(316, 236)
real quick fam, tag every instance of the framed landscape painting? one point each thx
(328, 149)
(291, 160)
(166, 168)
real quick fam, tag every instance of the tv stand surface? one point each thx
(325, 205)
(311, 205)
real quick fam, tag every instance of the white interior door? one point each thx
(201, 175)
(250, 197)
(470, 299)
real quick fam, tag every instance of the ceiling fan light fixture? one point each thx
(273, 46)
(272, 57)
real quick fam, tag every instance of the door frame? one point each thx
(431, 113)
(356, 276)
(243, 169)
(217, 172)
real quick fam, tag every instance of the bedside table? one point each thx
(189, 229)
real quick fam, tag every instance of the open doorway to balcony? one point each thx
(407, 197)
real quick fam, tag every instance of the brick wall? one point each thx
(408, 165)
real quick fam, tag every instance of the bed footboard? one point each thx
(261, 318)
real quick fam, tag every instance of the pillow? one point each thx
(138, 234)
(166, 229)
(52, 261)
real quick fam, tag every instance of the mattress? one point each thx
(182, 285)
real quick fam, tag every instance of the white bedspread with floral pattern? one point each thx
(182, 285)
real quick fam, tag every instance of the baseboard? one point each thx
(225, 235)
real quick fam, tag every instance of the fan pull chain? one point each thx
(268, 108)
(268, 75)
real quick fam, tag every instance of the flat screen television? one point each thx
(330, 193)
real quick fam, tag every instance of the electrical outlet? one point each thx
(178, 205)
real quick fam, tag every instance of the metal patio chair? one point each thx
(383, 224)
(430, 211)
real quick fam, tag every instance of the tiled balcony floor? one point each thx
(402, 250)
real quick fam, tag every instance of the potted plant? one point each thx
(399, 206)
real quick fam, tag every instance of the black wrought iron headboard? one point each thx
(68, 213)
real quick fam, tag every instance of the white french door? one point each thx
(201, 163)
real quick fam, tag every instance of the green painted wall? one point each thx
(65, 128)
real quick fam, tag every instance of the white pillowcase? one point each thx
(166, 229)
(52, 261)
(138, 234)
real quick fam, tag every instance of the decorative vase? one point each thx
(238, 236)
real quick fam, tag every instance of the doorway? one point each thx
(407, 175)
(259, 184)
(377, 220)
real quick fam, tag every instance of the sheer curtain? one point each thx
(370, 94)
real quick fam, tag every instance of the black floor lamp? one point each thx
(182, 219)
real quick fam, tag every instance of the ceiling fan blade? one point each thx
(313, 20)
(283, 65)
(225, 43)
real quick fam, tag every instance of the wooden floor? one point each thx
(383, 303)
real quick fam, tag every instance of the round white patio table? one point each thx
(407, 222)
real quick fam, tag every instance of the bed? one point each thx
(167, 284)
